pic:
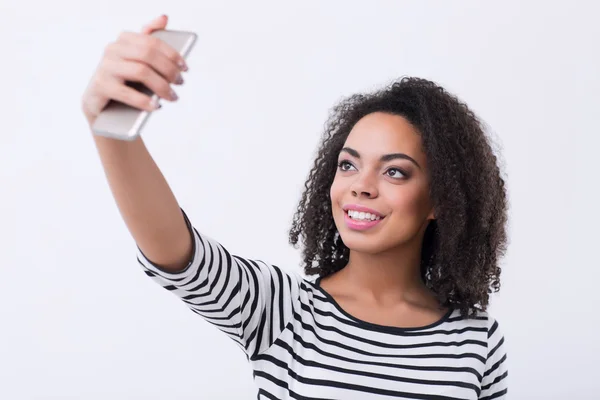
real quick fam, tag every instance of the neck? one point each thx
(388, 277)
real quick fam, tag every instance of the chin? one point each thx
(365, 244)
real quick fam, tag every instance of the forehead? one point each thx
(380, 133)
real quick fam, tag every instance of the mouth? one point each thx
(361, 218)
(361, 213)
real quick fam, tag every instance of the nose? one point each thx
(363, 186)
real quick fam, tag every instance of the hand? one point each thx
(137, 57)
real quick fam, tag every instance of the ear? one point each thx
(431, 215)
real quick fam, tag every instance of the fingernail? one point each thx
(154, 104)
(174, 95)
(179, 80)
(182, 65)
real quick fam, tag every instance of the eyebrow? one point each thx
(383, 158)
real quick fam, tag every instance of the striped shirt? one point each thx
(302, 345)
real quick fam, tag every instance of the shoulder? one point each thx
(495, 333)
(482, 322)
(491, 323)
(483, 319)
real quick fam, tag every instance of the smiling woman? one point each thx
(402, 221)
(417, 156)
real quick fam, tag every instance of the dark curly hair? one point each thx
(462, 247)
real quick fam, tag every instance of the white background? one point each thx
(79, 319)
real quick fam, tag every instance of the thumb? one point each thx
(155, 25)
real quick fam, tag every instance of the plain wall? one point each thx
(79, 319)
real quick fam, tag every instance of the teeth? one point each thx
(362, 216)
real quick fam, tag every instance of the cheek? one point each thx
(410, 202)
(336, 192)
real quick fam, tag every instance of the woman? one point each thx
(402, 222)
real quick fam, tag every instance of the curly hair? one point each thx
(462, 246)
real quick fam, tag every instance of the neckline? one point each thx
(377, 327)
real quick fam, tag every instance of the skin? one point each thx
(381, 283)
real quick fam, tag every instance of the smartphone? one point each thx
(121, 121)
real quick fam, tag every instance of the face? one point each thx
(380, 193)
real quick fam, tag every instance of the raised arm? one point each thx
(142, 194)
(251, 301)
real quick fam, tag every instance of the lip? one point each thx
(360, 225)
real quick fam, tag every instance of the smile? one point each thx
(362, 216)
(359, 220)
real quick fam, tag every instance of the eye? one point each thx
(345, 165)
(395, 173)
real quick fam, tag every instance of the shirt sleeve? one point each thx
(494, 384)
(249, 300)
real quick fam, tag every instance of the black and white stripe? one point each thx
(302, 345)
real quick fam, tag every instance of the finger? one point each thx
(138, 72)
(116, 90)
(148, 43)
(148, 55)
(155, 24)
